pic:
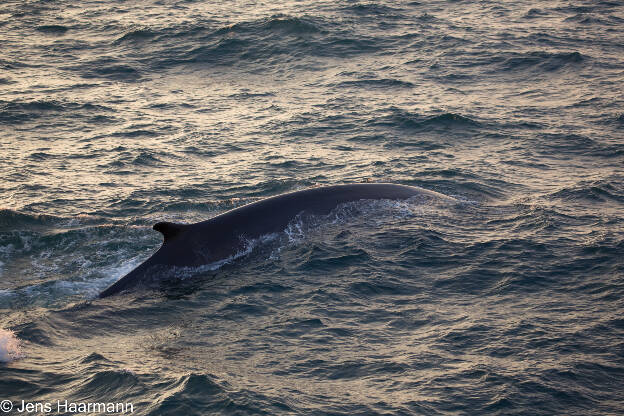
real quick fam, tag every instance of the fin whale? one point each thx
(192, 245)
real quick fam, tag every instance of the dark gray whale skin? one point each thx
(192, 245)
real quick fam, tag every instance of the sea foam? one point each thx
(10, 348)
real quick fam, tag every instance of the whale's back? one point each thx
(192, 245)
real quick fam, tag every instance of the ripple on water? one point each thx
(508, 301)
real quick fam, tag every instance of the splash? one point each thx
(10, 348)
(375, 211)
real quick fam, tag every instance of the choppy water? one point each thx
(115, 115)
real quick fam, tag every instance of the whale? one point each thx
(221, 237)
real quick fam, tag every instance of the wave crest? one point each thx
(403, 119)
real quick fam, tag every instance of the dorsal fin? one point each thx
(168, 229)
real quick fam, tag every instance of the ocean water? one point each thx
(115, 115)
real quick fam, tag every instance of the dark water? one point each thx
(115, 115)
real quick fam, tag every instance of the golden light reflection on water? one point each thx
(116, 115)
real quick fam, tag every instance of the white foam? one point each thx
(48, 292)
(10, 348)
(51, 291)
(377, 211)
(295, 230)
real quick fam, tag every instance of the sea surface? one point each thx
(115, 115)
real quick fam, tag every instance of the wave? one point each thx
(374, 10)
(108, 383)
(53, 29)
(450, 119)
(403, 119)
(147, 159)
(375, 83)
(279, 23)
(496, 59)
(22, 111)
(111, 68)
(137, 35)
(541, 61)
(10, 219)
(276, 40)
(202, 32)
(589, 8)
(577, 144)
(534, 13)
(601, 191)
(117, 71)
(210, 395)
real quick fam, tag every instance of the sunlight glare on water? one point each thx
(115, 116)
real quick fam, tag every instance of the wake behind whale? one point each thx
(221, 237)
